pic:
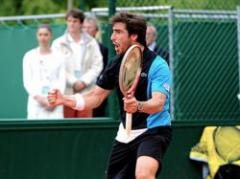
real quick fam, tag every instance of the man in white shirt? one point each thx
(83, 59)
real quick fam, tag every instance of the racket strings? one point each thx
(130, 68)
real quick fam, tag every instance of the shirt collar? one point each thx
(69, 39)
(152, 46)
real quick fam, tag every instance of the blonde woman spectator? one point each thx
(43, 69)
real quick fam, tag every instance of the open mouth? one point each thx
(116, 46)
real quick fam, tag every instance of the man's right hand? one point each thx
(55, 98)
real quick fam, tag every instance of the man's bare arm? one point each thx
(95, 97)
(153, 105)
(89, 100)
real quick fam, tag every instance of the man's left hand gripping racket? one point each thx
(129, 75)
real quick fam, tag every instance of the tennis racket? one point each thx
(129, 75)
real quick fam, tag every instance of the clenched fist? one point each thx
(55, 98)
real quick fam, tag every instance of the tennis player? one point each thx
(140, 155)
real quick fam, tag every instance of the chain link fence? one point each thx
(202, 40)
(203, 47)
(205, 65)
(183, 4)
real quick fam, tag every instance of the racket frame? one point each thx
(130, 92)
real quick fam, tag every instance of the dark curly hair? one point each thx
(134, 24)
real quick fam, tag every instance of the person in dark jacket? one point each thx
(91, 26)
(151, 37)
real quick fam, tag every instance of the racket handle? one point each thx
(128, 123)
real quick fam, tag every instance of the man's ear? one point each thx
(134, 37)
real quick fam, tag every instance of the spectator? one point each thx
(151, 37)
(83, 59)
(43, 69)
(91, 26)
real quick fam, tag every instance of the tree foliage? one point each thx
(39, 7)
(185, 4)
(32, 7)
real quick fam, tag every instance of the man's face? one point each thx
(150, 36)
(120, 38)
(90, 28)
(73, 24)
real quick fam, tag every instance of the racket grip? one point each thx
(128, 123)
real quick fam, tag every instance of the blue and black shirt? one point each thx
(155, 77)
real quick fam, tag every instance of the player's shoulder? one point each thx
(114, 64)
(159, 61)
(159, 65)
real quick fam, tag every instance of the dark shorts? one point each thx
(152, 143)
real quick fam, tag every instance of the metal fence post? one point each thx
(171, 56)
(238, 34)
(111, 12)
(112, 100)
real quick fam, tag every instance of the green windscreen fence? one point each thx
(15, 42)
(206, 70)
